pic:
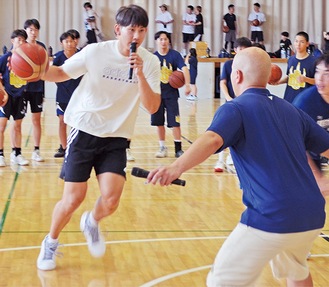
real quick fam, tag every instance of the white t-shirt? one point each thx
(260, 16)
(106, 103)
(188, 29)
(164, 17)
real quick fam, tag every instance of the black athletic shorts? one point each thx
(36, 101)
(85, 151)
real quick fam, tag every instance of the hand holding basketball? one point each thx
(176, 79)
(29, 62)
(3, 97)
(276, 74)
(255, 22)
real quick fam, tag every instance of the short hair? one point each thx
(158, 34)
(133, 15)
(191, 7)
(65, 35)
(18, 33)
(242, 42)
(199, 8)
(303, 34)
(258, 45)
(74, 32)
(257, 4)
(285, 34)
(230, 6)
(324, 58)
(87, 5)
(32, 22)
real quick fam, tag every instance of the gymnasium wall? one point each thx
(57, 16)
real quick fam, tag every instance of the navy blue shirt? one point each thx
(226, 75)
(268, 139)
(64, 89)
(14, 85)
(295, 66)
(169, 63)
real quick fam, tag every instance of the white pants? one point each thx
(247, 250)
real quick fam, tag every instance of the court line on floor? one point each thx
(173, 275)
(10, 195)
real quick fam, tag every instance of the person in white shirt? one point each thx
(257, 26)
(189, 20)
(164, 21)
(102, 113)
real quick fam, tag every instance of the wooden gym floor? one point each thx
(158, 237)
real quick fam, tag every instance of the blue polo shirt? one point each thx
(268, 138)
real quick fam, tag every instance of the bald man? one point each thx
(268, 139)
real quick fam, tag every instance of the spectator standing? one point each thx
(191, 61)
(230, 21)
(257, 28)
(198, 32)
(164, 21)
(189, 19)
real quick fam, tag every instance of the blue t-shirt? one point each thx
(14, 85)
(311, 102)
(169, 63)
(38, 86)
(193, 62)
(268, 139)
(226, 75)
(296, 67)
(64, 89)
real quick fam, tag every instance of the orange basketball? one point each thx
(276, 74)
(225, 29)
(255, 22)
(29, 62)
(176, 79)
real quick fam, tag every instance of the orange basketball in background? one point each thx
(225, 29)
(29, 62)
(276, 74)
(176, 79)
(255, 22)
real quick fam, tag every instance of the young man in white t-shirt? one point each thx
(102, 113)
(164, 21)
(189, 19)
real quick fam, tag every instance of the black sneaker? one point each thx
(179, 153)
(60, 152)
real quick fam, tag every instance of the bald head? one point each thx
(251, 68)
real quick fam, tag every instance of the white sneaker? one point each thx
(19, 160)
(163, 152)
(2, 161)
(129, 155)
(219, 166)
(46, 259)
(36, 156)
(95, 240)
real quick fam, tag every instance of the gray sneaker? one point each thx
(48, 252)
(163, 152)
(95, 240)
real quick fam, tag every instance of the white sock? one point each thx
(92, 220)
(52, 240)
(162, 143)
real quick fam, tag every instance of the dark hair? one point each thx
(18, 33)
(286, 34)
(199, 8)
(65, 35)
(242, 42)
(258, 45)
(230, 6)
(158, 34)
(75, 33)
(193, 52)
(303, 34)
(324, 58)
(30, 22)
(191, 7)
(133, 15)
(87, 5)
(257, 4)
